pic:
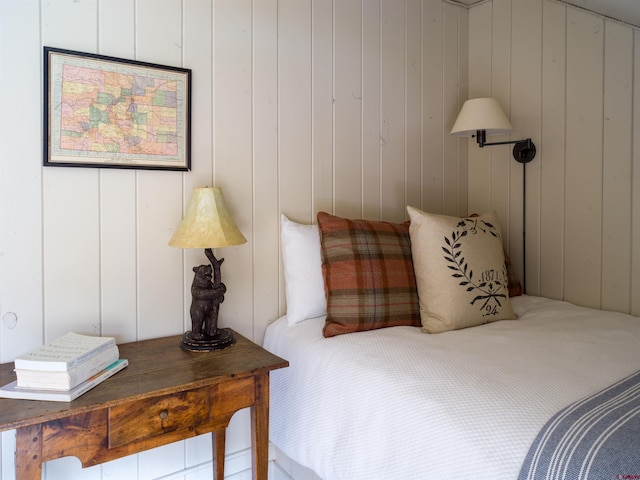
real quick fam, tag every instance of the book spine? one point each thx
(98, 378)
(13, 391)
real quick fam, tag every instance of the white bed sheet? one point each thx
(396, 403)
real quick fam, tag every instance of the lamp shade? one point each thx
(207, 222)
(481, 114)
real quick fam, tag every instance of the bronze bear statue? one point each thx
(205, 303)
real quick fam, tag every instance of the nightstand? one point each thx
(166, 394)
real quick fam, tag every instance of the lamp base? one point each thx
(222, 339)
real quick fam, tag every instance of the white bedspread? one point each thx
(399, 404)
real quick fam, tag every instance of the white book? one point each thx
(11, 390)
(64, 353)
(68, 379)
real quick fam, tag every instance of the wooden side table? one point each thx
(165, 394)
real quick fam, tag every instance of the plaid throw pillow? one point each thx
(368, 275)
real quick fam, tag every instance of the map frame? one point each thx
(102, 111)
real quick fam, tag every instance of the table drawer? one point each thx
(141, 420)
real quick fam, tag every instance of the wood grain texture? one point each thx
(165, 395)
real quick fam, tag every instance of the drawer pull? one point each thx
(164, 414)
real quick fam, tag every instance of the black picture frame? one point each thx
(102, 111)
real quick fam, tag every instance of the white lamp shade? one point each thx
(207, 222)
(481, 114)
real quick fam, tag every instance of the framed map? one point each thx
(107, 112)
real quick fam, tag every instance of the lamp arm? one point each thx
(527, 141)
(523, 151)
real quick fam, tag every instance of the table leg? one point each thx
(260, 429)
(29, 453)
(218, 440)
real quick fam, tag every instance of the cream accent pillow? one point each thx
(460, 270)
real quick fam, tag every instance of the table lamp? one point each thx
(207, 224)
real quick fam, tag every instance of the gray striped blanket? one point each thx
(595, 438)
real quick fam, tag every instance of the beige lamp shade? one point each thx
(207, 222)
(481, 114)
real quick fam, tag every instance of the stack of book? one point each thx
(65, 368)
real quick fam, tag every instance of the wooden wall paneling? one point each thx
(197, 55)
(348, 108)
(118, 258)
(155, 463)
(294, 109)
(116, 29)
(501, 77)
(436, 47)
(583, 224)
(480, 39)
(69, 468)
(322, 107)
(7, 453)
(526, 98)
(71, 254)
(371, 110)
(451, 165)
(57, 31)
(160, 193)
(266, 217)
(413, 103)
(635, 165)
(234, 153)
(453, 109)
(295, 171)
(118, 261)
(617, 166)
(552, 150)
(393, 126)
(159, 39)
(70, 218)
(21, 275)
(479, 159)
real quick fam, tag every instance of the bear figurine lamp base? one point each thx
(207, 224)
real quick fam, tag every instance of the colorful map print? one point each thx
(110, 112)
(103, 114)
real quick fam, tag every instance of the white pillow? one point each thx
(460, 270)
(304, 285)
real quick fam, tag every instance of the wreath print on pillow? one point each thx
(460, 270)
(491, 285)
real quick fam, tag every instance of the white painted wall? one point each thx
(298, 106)
(570, 80)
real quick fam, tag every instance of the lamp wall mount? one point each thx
(523, 150)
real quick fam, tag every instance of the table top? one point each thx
(156, 367)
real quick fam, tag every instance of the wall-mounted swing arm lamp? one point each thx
(480, 117)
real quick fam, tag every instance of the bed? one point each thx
(529, 396)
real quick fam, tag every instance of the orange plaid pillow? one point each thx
(368, 275)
